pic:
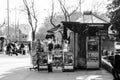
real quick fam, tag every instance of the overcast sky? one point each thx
(43, 9)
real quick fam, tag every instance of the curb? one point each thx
(106, 65)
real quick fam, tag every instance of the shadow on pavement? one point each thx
(15, 74)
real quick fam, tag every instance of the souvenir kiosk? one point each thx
(86, 42)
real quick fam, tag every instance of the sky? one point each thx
(43, 8)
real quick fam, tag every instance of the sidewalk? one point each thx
(17, 68)
(26, 74)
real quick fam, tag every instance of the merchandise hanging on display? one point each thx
(57, 60)
(39, 59)
(68, 61)
(42, 60)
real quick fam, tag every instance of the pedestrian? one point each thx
(22, 49)
(14, 50)
(49, 62)
(9, 49)
(50, 48)
(29, 46)
(5, 48)
(116, 67)
(17, 47)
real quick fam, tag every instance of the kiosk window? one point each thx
(92, 46)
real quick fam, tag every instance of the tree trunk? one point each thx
(33, 35)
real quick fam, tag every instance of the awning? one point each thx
(82, 27)
(75, 26)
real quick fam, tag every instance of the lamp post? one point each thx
(15, 23)
(8, 18)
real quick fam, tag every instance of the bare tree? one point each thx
(97, 5)
(2, 25)
(31, 16)
(52, 14)
(66, 13)
(65, 10)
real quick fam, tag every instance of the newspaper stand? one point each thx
(57, 60)
(42, 61)
(68, 61)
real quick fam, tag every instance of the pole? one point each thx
(19, 31)
(8, 18)
(15, 22)
(80, 6)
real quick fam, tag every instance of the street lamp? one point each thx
(8, 18)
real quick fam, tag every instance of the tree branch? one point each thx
(52, 13)
(63, 10)
(2, 24)
(28, 13)
(70, 14)
(34, 15)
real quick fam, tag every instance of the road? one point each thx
(17, 68)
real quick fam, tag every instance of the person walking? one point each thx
(22, 49)
(50, 48)
(8, 51)
(14, 50)
(49, 62)
(29, 46)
